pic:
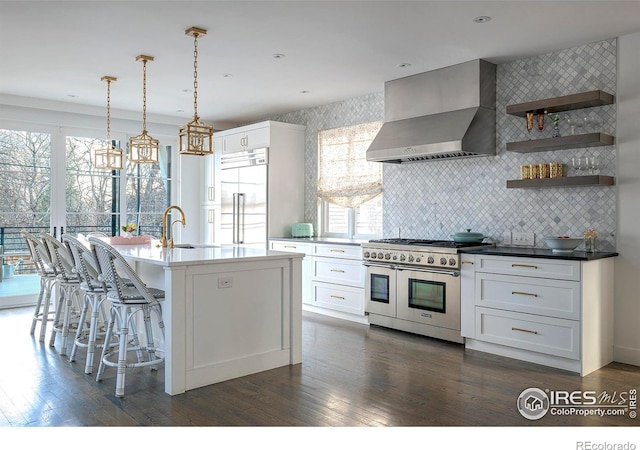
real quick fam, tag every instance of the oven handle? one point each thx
(382, 266)
(453, 273)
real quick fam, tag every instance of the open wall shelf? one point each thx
(561, 143)
(565, 103)
(585, 180)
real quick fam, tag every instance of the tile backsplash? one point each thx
(435, 199)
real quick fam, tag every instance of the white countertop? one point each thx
(201, 254)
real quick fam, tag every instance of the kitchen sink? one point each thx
(184, 246)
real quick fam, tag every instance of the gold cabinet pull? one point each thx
(290, 246)
(529, 266)
(467, 262)
(212, 193)
(523, 330)
(523, 293)
(336, 270)
(338, 297)
(336, 250)
(210, 215)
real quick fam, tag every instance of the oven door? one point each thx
(429, 296)
(380, 290)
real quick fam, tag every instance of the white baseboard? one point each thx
(626, 355)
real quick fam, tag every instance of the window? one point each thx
(349, 186)
(48, 183)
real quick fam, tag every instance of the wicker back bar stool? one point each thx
(48, 278)
(128, 300)
(68, 304)
(86, 267)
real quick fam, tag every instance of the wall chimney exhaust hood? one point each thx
(441, 114)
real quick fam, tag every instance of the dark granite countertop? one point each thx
(526, 252)
(321, 240)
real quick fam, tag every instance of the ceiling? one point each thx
(333, 50)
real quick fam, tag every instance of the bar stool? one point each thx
(67, 305)
(126, 302)
(95, 291)
(42, 261)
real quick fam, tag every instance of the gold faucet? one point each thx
(165, 242)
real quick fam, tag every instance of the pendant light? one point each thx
(108, 157)
(143, 148)
(196, 137)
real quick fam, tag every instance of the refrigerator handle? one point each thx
(241, 199)
(234, 217)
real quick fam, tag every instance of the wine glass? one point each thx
(578, 164)
(573, 123)
(593, 163)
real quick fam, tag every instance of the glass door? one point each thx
(380, 290)
(25, 194)
(91, 195)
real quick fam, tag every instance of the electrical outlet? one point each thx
(522, 238)
(225, 282)
(506, 238)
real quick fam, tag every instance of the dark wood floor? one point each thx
(351, 376)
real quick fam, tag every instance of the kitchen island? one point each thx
(228, 311)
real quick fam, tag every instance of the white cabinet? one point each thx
(549, 311)
(338, 281)
(210, 194)
(307, 263)
(333, 277)
(247, 139)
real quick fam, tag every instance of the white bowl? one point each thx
(562, 244)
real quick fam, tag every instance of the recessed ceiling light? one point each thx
(180, 110)
(227, 75)
(186, 90)
(304, 92)
(72, 95)
(404, 65)
(278, 56)
(482, 19)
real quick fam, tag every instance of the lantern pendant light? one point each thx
(108, 157)
(196, 137)
(143, 148)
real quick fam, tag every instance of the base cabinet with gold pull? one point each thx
(333, 277)
(338, 281)
(554, 312)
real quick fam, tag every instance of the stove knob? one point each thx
(443, 261)
(452, 262)
(395, 257)
(430, 260)
(402, 257)
(380, 255)
(410, 258)
(418, 259)
(387, 256)
(366, 254)
(373, 255)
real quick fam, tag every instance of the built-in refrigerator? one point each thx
(243, 205)
(254, 184)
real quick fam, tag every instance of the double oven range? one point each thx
(414, 285)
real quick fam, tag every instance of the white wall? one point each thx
(627, 265)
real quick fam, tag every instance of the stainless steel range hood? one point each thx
(445, 113)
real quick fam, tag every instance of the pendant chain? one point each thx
(195, 76)
(144, 95)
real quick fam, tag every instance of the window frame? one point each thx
(352, 213)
